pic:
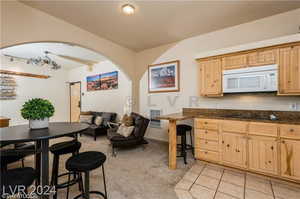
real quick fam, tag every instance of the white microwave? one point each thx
(251, 79)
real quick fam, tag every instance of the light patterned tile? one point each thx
(251, 194)
(234, 177)
(212, 172)
(184, 184)
(221, 195)
(231, 189)
(208, 182)
(182, 194)
(285, 191)
(190, 176)
(197, 168)
(200, 192)
(258, 184)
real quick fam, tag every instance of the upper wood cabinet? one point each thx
(290, 159)
(211, 78)
(289, 69)
(263, 154)
(263, 57)
(234, 61)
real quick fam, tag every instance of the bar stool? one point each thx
(182, 130)
(12, 179)
(59, 149)
(86, 162)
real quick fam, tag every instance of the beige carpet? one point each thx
(134, 174)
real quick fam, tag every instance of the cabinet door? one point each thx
(290, 159)
(211, 78)
(263, 154)
(234, 149)
(289, 67)
(233, 62)
(263, 57)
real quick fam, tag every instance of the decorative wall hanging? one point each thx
(8, 72)
(7, 88)
(105, 81)
(164, 77)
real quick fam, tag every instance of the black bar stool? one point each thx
(182, 130)
(59, 149)
(13, 179)
(86, 162)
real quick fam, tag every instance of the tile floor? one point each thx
(208, 181)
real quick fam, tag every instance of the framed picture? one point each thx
(93, 83)
(164, 77)
(109, 80)
(104, 81)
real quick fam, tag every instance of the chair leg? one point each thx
(68, 188)
(183, 140)
(114, 151)
(54, 178)
(86, 185)
(192, 145)
(95, 137)
(104, 182)
(22, 162)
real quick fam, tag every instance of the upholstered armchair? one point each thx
(136, 138)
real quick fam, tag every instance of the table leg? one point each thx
(38, 162)
(172, 144)
(45, 164)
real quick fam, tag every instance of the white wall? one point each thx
(103, 100)
(188, 49)
(54, 89)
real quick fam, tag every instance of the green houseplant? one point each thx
(37, 111)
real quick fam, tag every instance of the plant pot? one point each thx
(39, 124)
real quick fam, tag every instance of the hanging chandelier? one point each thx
(39, 61)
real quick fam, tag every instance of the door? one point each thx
(289, 66)
(290, 158)
(75, 101)
(234, 149)
(263, 57)
(263, 155)
(211, 78)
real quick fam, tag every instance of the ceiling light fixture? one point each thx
(128, 9)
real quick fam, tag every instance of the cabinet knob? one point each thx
(205, 152)
(272, 148)
(270, 161)
(206, 142)
(237, 150)
(291, 130)
(282, 141)
(222, 141)
(206, 132)
(205, 122)
(228, 145)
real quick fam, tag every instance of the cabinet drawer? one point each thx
(267, 129)
(290, 131)
(206, 124)
(207, 145)
(207, 155)
(206, 134)
(234, 126)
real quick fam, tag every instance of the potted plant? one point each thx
(37, 111)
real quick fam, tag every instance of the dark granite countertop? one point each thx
(283, 117)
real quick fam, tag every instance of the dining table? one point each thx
(41, 137)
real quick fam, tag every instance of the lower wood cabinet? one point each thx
(268, 148)
(263, 154)
(234, 149)
(290, 158)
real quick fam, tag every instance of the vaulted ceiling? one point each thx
(159, 22)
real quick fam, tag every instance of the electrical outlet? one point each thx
(293, 106)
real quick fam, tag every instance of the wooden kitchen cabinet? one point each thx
(263, 57)
(289, 70)
(290, 159)
(233, 149)
(234, 62)
(211, 78)
(263, 154)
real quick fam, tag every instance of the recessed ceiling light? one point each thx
(128, 9)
